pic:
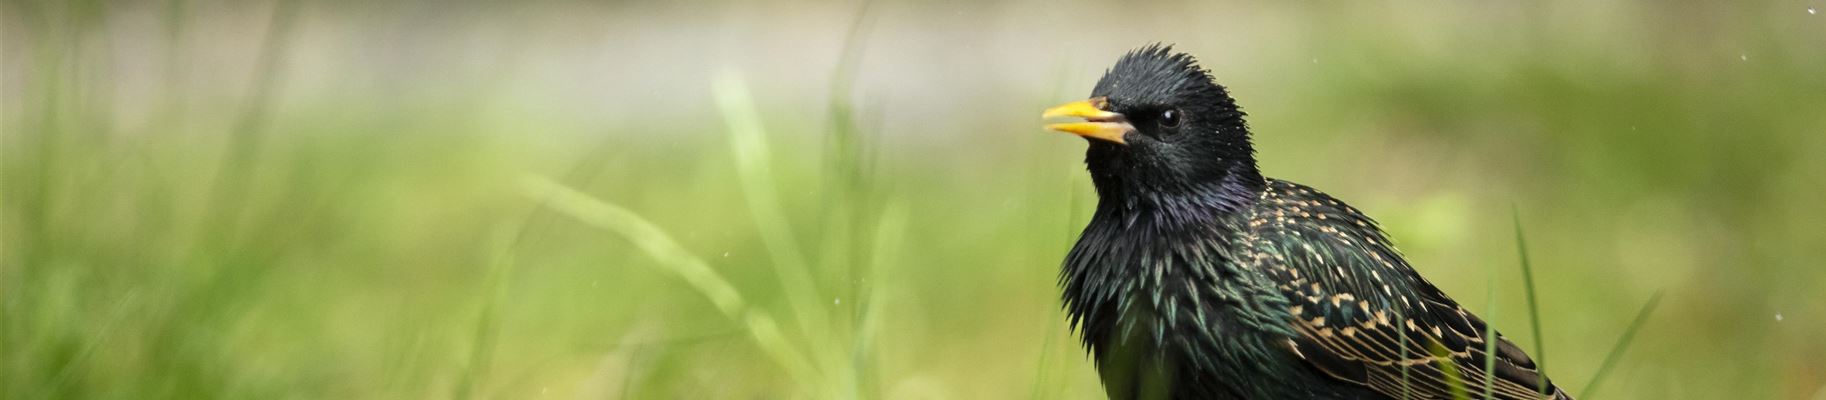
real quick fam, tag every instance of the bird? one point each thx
(1199, 278)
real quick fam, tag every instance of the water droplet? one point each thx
(725, 254)
(1745, 57)
(1811, 10)
(1315, 61)
(839, 301)
(1778, 317)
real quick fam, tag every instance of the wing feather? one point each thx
(1362, 315)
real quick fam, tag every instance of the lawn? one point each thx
(322, 199)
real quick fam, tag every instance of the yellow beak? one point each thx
(1099, 123)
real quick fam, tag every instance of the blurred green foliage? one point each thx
(426, 199)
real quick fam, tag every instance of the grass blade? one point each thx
(481, 349)
(1490, 338)
(1534, 308)
(659, 245)
(1616, 352)
(890, 238)
(644, 234)
(845, 230)
(247, 135)
(1454, 380)
(752, 157)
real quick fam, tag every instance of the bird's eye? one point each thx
(1169, 118)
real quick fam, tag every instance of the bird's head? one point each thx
(1159, 126)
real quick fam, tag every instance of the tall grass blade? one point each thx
(767, 334)
(1401, 319)
(845, 221)
(644, 234)
(1534, 308)
(481, 349)
(890, 237)
(1040, 370)
(1616, 352)
(59, 380)
(749, 141)
(247, 136)
(672, 256)
(1490, 338)
(1454, 380)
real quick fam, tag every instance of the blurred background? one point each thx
(557, 199)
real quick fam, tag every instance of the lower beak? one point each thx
(1099, 124)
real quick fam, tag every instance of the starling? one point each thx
(1198, 278)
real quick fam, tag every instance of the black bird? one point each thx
(1200, 278)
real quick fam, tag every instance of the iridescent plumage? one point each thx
(1199, 278)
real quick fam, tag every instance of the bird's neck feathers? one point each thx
(1228, 190)
(1196, 205)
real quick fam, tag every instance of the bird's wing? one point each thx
(1363, 316)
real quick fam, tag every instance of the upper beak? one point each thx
(1099, 123)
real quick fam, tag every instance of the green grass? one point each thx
(1616, 353)
(1454, 378)
(1459, 387)
(1534, 310)
(1491, 318)
(336, 200)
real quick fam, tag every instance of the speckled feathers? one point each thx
(1197, 277)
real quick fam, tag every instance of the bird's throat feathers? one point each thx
(1133, 196)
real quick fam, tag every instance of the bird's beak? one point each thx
(1099, 124)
